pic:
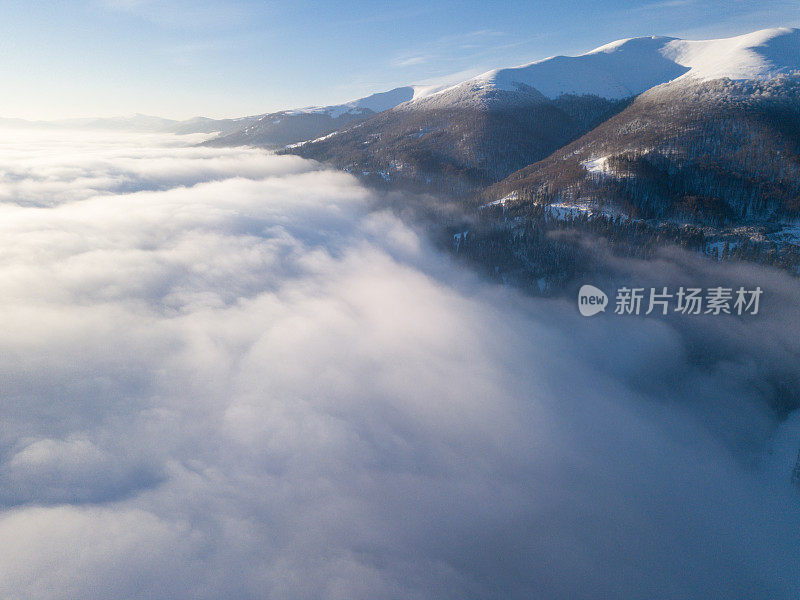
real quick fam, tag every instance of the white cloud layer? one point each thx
(221, 376)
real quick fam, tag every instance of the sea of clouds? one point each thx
(223, 375)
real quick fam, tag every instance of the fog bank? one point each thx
(223, 376)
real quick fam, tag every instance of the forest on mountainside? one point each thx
(457, 151)
(715, 154)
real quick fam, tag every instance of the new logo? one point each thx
(591, 300)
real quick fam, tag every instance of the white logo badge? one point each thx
(591, 300)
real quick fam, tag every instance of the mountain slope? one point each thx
(705, 148)
(713, 152)
(275, 130)
(458, 149)
(478, 132)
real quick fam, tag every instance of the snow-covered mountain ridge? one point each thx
(631, 66)
(372, 103)
(646, 96)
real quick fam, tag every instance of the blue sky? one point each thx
(180, 58)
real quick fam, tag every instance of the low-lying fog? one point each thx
(222, 375)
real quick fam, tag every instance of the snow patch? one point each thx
(562, 211)
(319, 139)
(599, 166)
(502, 201)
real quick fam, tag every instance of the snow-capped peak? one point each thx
(630, 66)
(758, 55)
(616, 70)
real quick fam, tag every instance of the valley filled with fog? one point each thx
(227, 374)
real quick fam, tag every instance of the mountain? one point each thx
(278, 129)
(617, 70)
(710, 152)
(641, 142)
(137, 122)
(271, 130)
(629, 67)
(760, 55)
(206, 125)
(709, 161)
(719, 144)
(478, 132)
(456, 149)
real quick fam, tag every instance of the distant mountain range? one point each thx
(272, 130)
(138, 122)
(275, 130)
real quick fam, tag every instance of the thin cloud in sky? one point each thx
(666, 4)
(185, 14)
(441, 57)
(412, 60)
